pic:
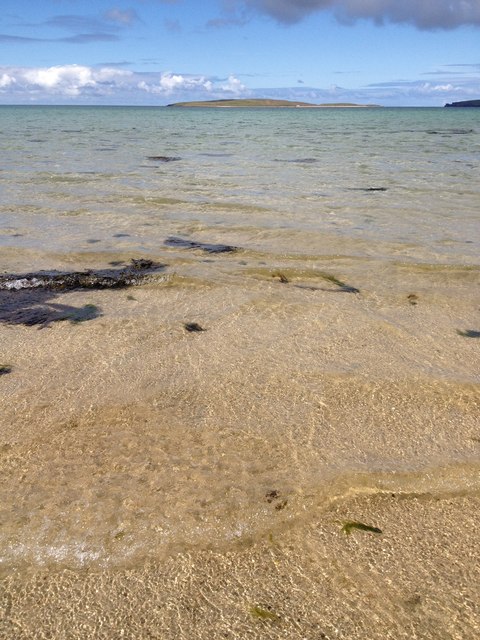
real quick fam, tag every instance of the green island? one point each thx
(265, 102)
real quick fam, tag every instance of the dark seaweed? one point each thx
(183, 243)
(412, 298)
(142, 264)
(468, 333)
(193, 326)
(450, 132)
(349, 526)
(164, 158)
(368, 189)
(282, 277)
(4, 369)
(272, 495)
(299, 160)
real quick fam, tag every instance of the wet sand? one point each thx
(166, 483)
(418, 579)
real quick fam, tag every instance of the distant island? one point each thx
(256, 102)
(464, 103)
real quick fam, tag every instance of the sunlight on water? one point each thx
(277, 338)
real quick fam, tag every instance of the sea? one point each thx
(309, 328)
(377, 182)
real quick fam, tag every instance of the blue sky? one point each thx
(389, 52)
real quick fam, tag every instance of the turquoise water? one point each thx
(379, 182)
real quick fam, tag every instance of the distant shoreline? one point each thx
(266, 103)
(464, 104)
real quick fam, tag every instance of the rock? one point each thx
(134, 274)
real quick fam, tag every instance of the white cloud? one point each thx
(77, 83)
(80, 84)
(169, 83)
(233, 85)
(63, 80)
(6, 80)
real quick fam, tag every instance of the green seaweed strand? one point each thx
(349, 526)
(263, 614)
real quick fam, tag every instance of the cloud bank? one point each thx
(109, 85)
(81, 84)
(423, 14)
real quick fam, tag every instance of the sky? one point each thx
(155, 52)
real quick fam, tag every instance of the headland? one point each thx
(464, 103)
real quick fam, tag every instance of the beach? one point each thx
(273, 430)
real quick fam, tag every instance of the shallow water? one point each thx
(339, 353)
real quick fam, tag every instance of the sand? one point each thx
(161, 483)
(418, 579)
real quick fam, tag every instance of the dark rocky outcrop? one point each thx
(464, 103)
(136, 273)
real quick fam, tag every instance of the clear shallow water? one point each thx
(340, 350)
(73, 175)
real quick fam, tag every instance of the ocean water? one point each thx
(339, 351)
(289, 180)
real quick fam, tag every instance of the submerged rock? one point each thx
(134, 274)
(183, 243)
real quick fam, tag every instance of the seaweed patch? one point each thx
(281, 276)
(349, 526)
(163, 158)
(4, 369)
(183, 243)
(273, 497)
(468, 333)
(193, 327)
(298, 160)
(264, 613)
(368, 189)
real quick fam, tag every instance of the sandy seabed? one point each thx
(161, 483)
(419, 579)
